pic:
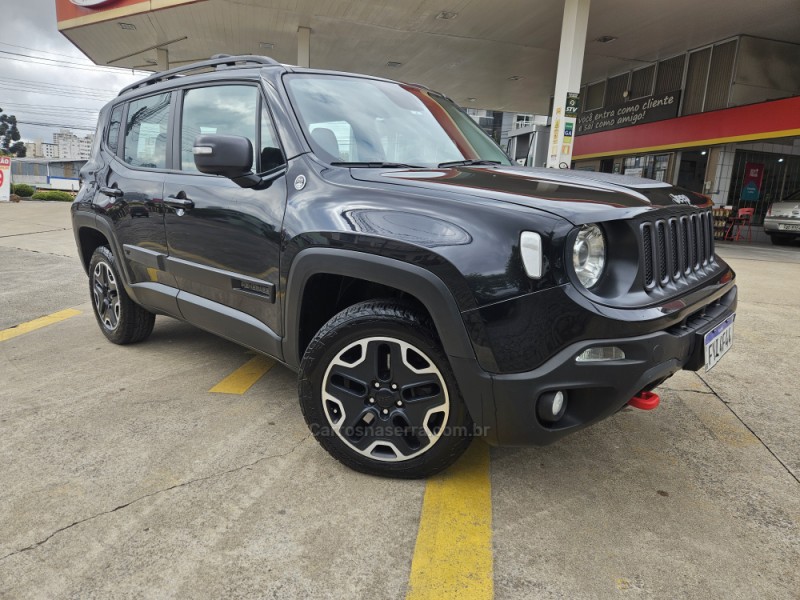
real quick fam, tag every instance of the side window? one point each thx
(271, 154)
(112, 139)
(223, 110)
(146, 132)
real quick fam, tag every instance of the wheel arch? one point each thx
(89, 239)
(417, 283)
(387, 273)
(92, 231)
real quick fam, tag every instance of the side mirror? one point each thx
(228, 155)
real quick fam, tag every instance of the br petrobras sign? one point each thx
(633, 112)
(5, 178)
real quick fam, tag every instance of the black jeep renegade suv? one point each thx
(368, 235)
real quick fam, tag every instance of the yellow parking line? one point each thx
(22, 328)
(243, 378)
(453, 555)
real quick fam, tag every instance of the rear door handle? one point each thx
(179, 200)
(111, 192)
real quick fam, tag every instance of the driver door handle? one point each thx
(179, 200)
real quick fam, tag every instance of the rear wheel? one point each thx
(121, 320)
(378, 393)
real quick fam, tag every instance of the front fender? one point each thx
(426, 287)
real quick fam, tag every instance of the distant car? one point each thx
(782, 223)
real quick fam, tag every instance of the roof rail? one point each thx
(218, 61)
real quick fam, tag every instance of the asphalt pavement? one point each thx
(124, 475)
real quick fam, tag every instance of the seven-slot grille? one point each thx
(675, 247)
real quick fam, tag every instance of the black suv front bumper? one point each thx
(594, 390)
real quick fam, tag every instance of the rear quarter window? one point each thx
(112, 135)
(146, 132)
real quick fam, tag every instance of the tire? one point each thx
(120, 319)
(413, 429)
(781, 240)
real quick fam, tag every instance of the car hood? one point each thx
(578, 196)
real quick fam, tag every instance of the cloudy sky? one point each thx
(45, 79)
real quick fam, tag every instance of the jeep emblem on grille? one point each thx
(680, 198)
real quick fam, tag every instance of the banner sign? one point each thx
(634, 112)
(5, 178)
(751, 185)
(573, 104)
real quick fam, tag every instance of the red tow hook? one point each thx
(645, 401)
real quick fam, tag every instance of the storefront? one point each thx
(746, 156)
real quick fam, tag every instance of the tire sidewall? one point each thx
(129, 312)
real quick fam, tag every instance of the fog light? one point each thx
(551, 406)
(600, 353)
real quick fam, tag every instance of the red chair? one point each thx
(741, 221)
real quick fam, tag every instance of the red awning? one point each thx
(765, 120)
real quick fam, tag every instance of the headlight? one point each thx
(589, 255)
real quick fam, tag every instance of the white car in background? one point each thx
(782, 222)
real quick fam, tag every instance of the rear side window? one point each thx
(146, 132)
(112, 139)
(218, 110)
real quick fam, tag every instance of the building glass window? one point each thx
(615, 89)
(780, 177)
(650, 166)
(669, 76)
(642, 82)
(720, 75)
(594, 95)
(696, 78)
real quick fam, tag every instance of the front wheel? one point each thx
(378, 393)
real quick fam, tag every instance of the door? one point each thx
(130, 187)
(224, 240)
(692, 170)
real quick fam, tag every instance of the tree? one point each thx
(9, 136)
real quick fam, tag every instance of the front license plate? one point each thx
(718, 341)
(788, 227)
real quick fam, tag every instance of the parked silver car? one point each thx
(782, 222)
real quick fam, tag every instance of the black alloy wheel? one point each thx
(121, 320)
(379, 395)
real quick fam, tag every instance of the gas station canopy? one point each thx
(485, 54)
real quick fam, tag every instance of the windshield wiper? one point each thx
(468, 162)
(376, 165)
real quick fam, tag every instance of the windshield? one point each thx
(354, 120)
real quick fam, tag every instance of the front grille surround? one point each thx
(675, 248)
